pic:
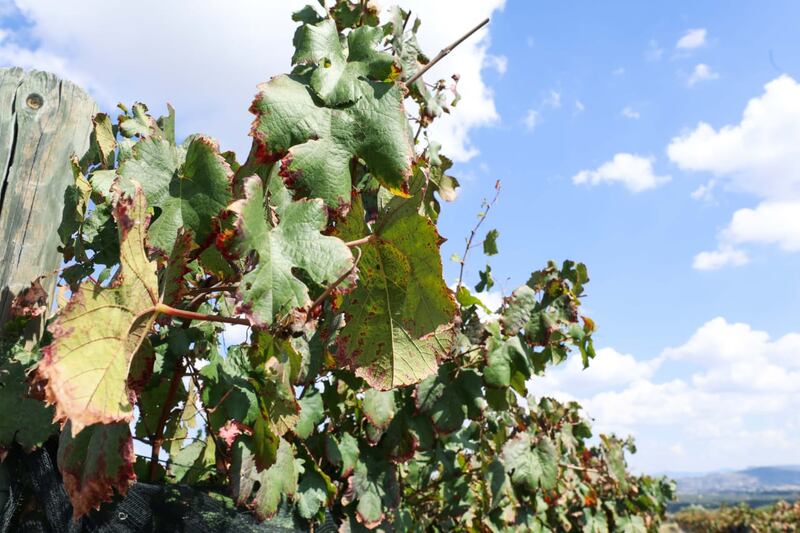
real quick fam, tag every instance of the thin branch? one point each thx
(191, 315)
(446, 51)
(474, 232)
(327, 292)
(158, 439)
(203, 412)
(359, 242)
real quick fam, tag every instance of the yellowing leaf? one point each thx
(96, 336)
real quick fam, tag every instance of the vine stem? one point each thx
(191, 315)
(446, 50)
(327, 292)
(359, 242)
(474, 232)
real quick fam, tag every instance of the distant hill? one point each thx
(756, 479)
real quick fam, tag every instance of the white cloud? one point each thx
(653, 51)
(633, 171)
(618, 71)
(579, 107)
(726, 255)
(629, 112)
(737, 408)
(759, 154)
(701, 72)
(771, 222)
(531, 119)
(553, 99)
(212, 81)
(692, 39)
(499, 63)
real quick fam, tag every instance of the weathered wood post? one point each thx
(43, 121)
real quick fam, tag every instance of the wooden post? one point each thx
(43, 121)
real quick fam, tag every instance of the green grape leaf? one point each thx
(400, 316)
(139, 123)
(188, 187)
(373, 486)
(94, 463)
(315, 492)
(312, 411)
(448, 400)
(342, 453)
(630, 524)
(318, 144)
(338, 70)
(506, 361)
(272, 289)
(466, 299)
(277, 482)
(615, 459)
(490, 242)
(26, 421)
(96, 336)
(379, 407)
(531, 463)
(486, 280)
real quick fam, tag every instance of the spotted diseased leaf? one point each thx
(545, 312)
(317, 145)
(95, 337)
(187, 186)
(31, 301)
(532, 463)
(94, 463)
(271, 289)
(277, 482)
(399, 318)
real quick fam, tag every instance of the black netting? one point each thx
(37, 503)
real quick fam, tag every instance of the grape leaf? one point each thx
(187, 186)
(379, 407)
(272, 289)
(490, 242)
(318, 144)
(94, 462)
(278, 480)
(315, 491)
(312, 411)
(338, 70)
(96, 336)
(531, 464)
(399, 317)
(342, 452)
(374, 486)
(26, 421)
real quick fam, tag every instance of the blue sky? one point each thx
(690, 232)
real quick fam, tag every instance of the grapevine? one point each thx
(366, 391)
